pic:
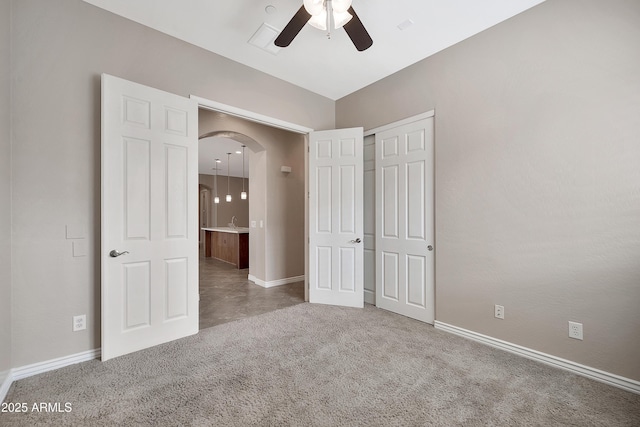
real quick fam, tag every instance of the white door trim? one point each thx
(250, 115)
(402, 122)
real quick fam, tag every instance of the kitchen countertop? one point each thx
(237, 230)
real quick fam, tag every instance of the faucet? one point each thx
(233, 222)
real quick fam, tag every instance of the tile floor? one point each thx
(226, 294)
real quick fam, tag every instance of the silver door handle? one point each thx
(430, 247)
(115, 254)
(355, 241)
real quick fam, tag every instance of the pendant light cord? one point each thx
(243, 168)
(228, 173)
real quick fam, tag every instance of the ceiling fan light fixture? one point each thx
(340, 6)
(319, 21)
(314, 7)
(341, 18)
(319, 13)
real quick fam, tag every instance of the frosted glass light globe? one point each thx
(314, 7)
(340, 6)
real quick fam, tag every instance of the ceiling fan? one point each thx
(320, 14)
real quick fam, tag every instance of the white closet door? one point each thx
(405, 220)
(336, 217)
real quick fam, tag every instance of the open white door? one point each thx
(149, 220)
(336, 271)
(404, 220)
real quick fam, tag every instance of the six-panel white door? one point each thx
(405, 221)
(336, 217)
(149, 215)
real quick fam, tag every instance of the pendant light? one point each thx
(243, 195)
(228, 177)
(216, 199)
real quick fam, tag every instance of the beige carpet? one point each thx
(325, 366)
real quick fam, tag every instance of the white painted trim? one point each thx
(250, 115)
(50, 365)
(400, 123)
(576, 368)
(274, 283)
(6, 384)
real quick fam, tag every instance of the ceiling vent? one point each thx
(405, 24)
(264, 37)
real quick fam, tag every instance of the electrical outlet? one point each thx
(575, 330)
(79, 322)
(499, 312)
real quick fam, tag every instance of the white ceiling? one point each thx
(333, 68)
(212, 148)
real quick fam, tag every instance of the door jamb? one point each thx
(280, 124)
(408, 120)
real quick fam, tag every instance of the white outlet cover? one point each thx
(575, 330)
(79, 322)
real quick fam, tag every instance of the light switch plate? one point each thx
(76, 231)
(80, 248)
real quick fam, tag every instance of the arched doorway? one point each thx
(228, 293)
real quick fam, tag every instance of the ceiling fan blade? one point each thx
(293, 28)
(357, 33)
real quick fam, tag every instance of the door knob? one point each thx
(430, 247)
(355, 241)
(115, 254)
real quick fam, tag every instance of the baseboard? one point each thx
(585, 371)
(50, 365)
(273, 283)
(6, 384)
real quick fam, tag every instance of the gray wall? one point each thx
(60, 48)
(225, 210)
(5, 192)
(277, 250)
(537, 176)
